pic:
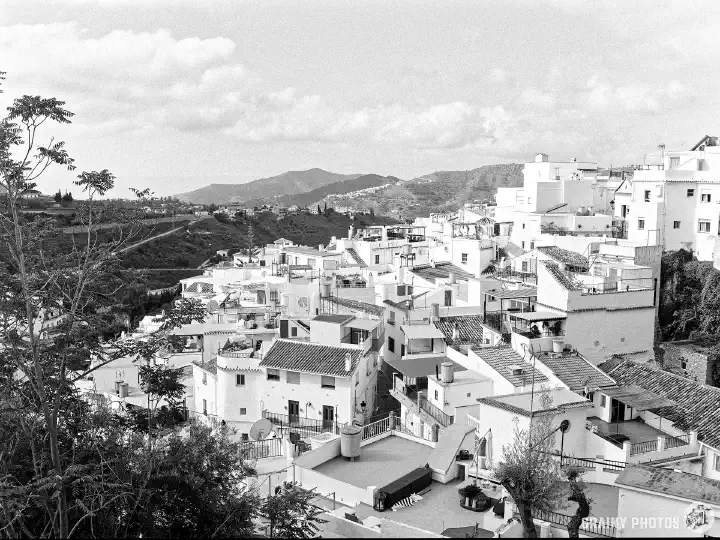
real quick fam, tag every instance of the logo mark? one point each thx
(699, 518)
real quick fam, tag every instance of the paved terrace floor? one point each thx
(379, 464)
(438, 511)
(634, 429)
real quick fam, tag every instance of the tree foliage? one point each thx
(290, 512)
(528, 470)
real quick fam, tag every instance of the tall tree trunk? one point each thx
(526, 519)
(583, 511)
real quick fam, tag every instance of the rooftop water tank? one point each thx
(350, 437)
(446, 372)
(124, 390)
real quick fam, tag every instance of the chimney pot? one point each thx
(348, 362)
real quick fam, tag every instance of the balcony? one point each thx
(417, 401)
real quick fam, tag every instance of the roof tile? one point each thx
(310, 358)
(470, 331)
(502, 358)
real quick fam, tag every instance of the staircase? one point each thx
(357, 258)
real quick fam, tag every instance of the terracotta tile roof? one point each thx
(671, 483)
(698, 405)
(358, 259)
(575, 371)
(310, 358)
(498, 402)
(502, 358)
(201, 287)
(565, 256)
(442, 270)
(404, 305)
(356, 305)
(470, 330)
(555, 272)
(210, 366)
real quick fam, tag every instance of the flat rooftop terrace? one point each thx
(379, 464)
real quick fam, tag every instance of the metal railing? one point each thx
(589, 463)
(676, 442)
(588, 525)
(436, 413)
(594, 429)
(473, 422)
(376, 428)
(305, 427)
(643, 447)
(415, 431)
(253, 450)
(494, 320)
(525, 277)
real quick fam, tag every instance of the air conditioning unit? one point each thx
(516, 370)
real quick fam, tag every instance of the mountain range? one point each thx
(436, 192)
(289, 183)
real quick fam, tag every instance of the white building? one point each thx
(675, 204)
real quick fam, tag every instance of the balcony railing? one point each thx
(376, 428)
(513, 275)
(643, 447)
(588, 525)
(253, 450)
(296, 424)
(676, 442)
(473, 422)
(439, 415)
(494, 320)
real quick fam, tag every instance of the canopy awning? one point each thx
(421, 367)
(422, 331)
(363, 324)
(638, 398)
(534, 316)
(503, 294)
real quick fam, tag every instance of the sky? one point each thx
(176, 94)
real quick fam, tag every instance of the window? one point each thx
(464, 258)
(468, 394)
(391, 344)
(240, 379)
(273, 374)
(436, 395)
(327, 382)
(683, 363)
(603, 400)
(274, 295)
(532, 245)
(703, 226)
(293, 377)
(705, 197)
(641, 223)
(522, 244)
(243, 411)
(591, 397)
(448, 298)
(524, 266)
(676, 224)
(205, 407)
(401, 290)
(690, 192)
(204, 378)
(409, 289)
(402, 349)
(647, 195)
(377, 259)
(262, 262)
(717, 462)
(674, 162)
(311, 263)
(391, 317)
(293, 331)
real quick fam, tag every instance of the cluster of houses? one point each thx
(422, 347)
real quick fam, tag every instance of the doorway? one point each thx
(617, 411)
(328, 415)
(623, 211)
(293, 411)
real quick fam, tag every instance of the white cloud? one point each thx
(537, 98)
(126, 80)
(604, 96)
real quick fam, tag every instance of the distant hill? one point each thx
(289, 183)
(363, 182)
(437, 192)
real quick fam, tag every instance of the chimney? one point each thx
(451, 279)
(348, 362)
(321, 247)
(456, 332)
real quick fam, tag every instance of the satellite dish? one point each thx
(261, 429)
(564, 425)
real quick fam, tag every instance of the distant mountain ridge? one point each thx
(289, 183)
(343, 187)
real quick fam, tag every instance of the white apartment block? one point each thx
(675, 204)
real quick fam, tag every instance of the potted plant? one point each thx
(557, 328)
(534, 331)
(468, 494)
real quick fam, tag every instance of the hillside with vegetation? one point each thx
(289, 183)
(437, 192)
(311, 198)
(690, 303)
